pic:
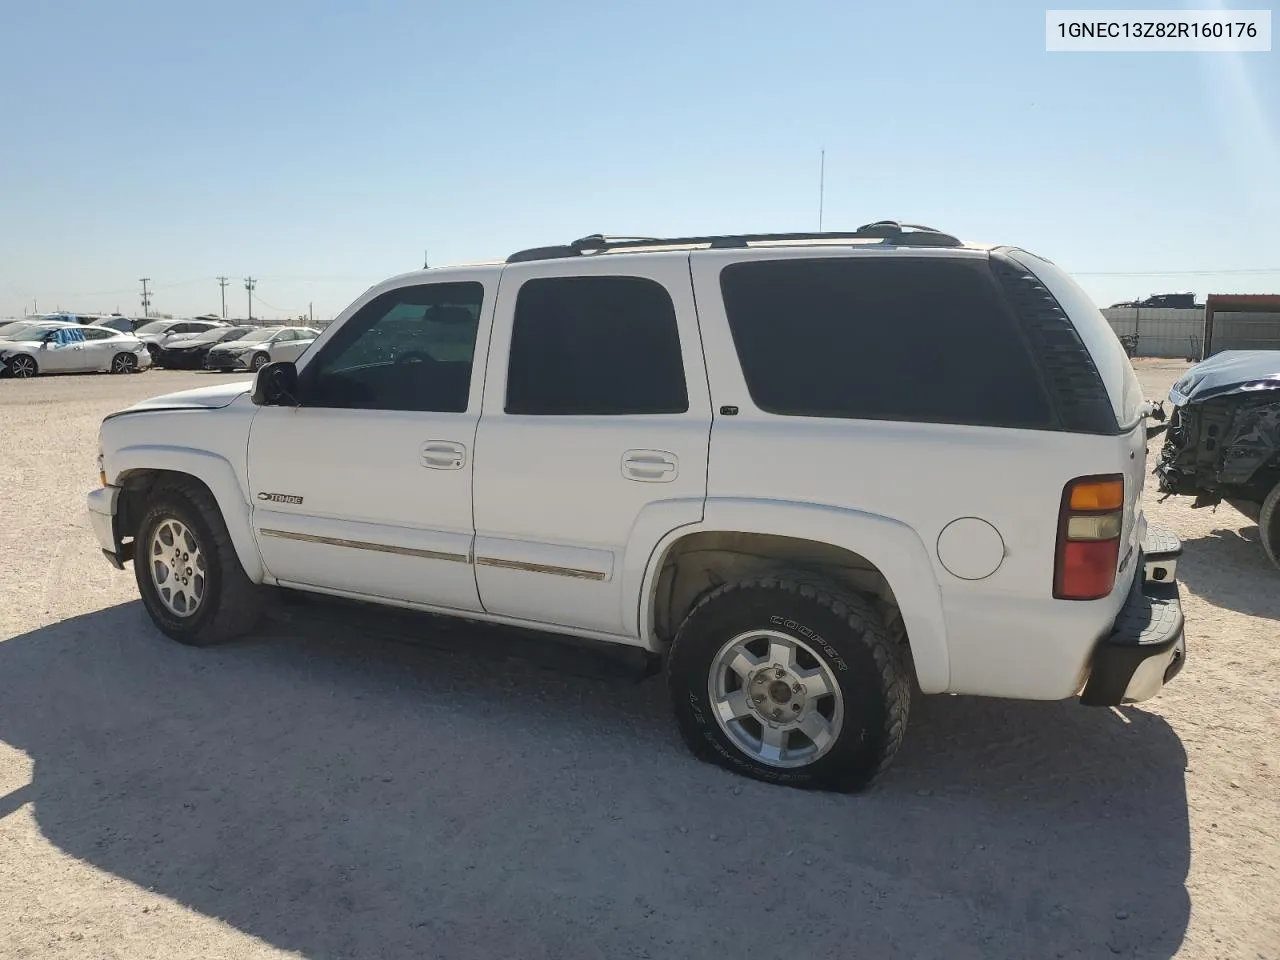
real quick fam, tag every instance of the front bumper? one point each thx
(180, 359)
(102, 518)
(1147, 645)
(227, 361)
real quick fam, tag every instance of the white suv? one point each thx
(815, 473)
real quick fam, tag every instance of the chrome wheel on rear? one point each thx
(124, 363)
(775, 698)
(177, 567)
(22, 366)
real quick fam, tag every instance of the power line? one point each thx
(146, 297)
(222, 282)
(1172, 273)
(822, 184)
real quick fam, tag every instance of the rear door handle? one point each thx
(443, 455)
(650, 466)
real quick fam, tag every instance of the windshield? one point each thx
(258, 336)
(226, 336)
(26, 331)
(155, 326)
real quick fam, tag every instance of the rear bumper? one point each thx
(1147, 645)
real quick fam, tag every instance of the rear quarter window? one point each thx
(925, 339)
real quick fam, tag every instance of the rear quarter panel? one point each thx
(1005, 635)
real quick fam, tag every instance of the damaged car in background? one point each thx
(1223, 438)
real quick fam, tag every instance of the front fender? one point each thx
(214, 472)
(892, 546)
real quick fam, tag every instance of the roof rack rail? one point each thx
(891, 232)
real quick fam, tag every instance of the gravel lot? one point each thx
(351, 785)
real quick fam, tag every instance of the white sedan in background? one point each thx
(70, 348)
(255, 350)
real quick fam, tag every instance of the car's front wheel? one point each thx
(791, 681)
(187, 571)
(259, 361)
(23, 366)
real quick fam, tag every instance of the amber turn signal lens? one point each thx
(1097, 495)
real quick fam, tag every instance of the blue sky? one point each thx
(322, 146)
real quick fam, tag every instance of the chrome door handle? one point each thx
(443, 455)
(650, 466)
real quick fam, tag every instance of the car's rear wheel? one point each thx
(791, 681)
(1269, 524)
(23, 366)
(187, 571)
(124, 363)
(259, 361)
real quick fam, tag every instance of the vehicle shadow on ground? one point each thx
(1230, 569)
(338, 795)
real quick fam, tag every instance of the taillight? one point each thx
(1089, 525)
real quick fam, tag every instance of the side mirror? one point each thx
(276, 385)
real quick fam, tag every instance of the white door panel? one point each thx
(98, 351)
(557, 496)
(358, 490)
(373, 518)
(60, 357)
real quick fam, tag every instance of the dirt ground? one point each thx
(348, 785)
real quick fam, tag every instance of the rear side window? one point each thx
(595, 346)
(882, 338)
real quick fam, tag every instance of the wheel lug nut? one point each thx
(779, 673)
(777, 714)
(795, 707)
(759, 678)
(796, 689)
(759, 699)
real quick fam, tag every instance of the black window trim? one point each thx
(307, 375)
(621, 274)
(1054, 422)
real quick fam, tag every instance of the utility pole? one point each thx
(249, 284)
(222, 282)
(311, 314)
(822, 183)
(146, 297)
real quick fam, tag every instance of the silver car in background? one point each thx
(58, 347)
(255, 350)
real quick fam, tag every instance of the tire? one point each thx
(225, 603)
(259, 361)
(22, 366)
(124, 363)
(840, 637)
(1269, 524)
